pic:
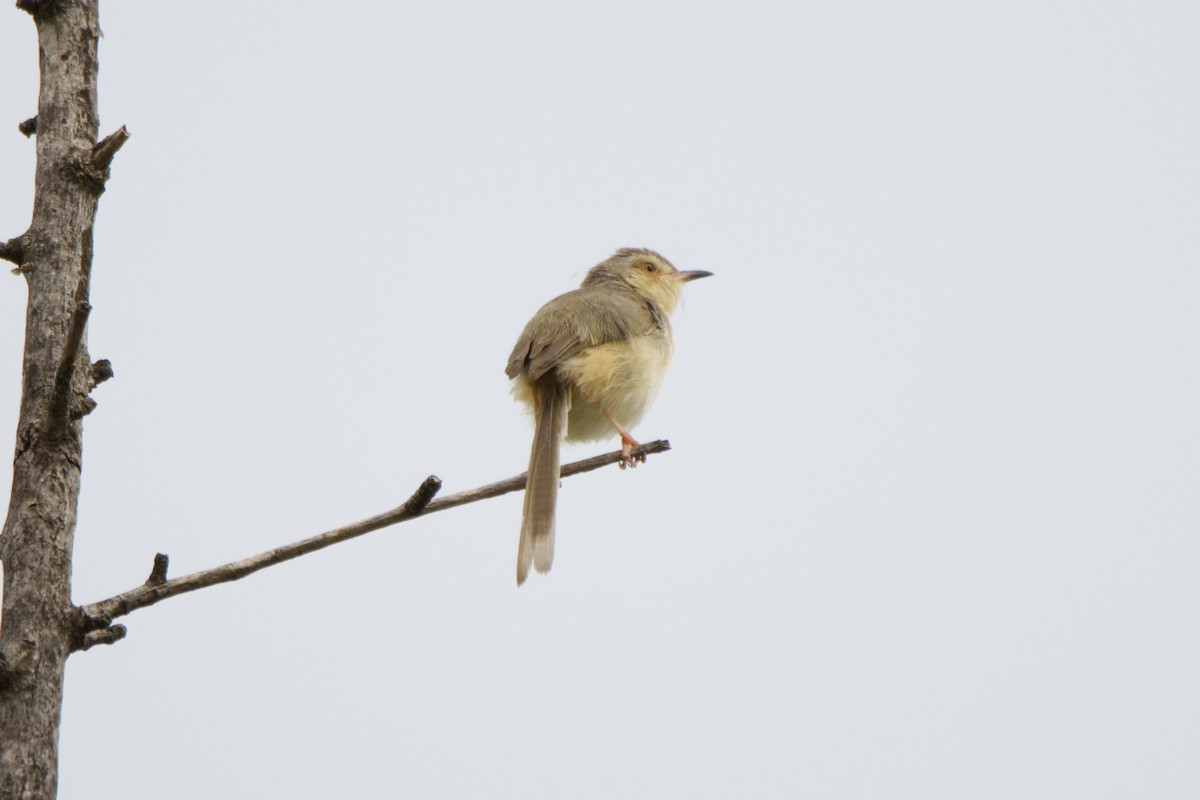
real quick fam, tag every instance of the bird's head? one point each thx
(648, 273)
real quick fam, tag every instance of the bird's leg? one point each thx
(627, 444)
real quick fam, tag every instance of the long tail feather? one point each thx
(541, 487)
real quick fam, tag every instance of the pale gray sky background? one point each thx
(930, 526)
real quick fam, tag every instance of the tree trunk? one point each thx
(40, 627)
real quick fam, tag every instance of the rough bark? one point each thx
(39, 624)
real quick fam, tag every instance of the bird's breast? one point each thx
(620, 378)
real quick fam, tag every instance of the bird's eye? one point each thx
(650, 267)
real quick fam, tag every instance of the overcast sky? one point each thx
(930, 525)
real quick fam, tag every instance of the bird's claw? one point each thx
(627, 457)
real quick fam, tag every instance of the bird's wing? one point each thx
(574, 321)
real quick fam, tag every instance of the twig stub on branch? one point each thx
(158, 573)
(113, 633)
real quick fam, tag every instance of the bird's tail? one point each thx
(541, 487)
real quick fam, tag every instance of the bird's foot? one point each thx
(627, 457)
(627, 444)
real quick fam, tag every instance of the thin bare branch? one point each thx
(517, 483)
(153, 591)
(157, 587)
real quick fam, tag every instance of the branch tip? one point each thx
(517, 483)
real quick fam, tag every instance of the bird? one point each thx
(588, 365)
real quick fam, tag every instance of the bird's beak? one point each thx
(692, 275)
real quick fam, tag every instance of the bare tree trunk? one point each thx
(40, 626)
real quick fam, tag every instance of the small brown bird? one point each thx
(588, 365)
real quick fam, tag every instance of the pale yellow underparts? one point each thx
(621, 378)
